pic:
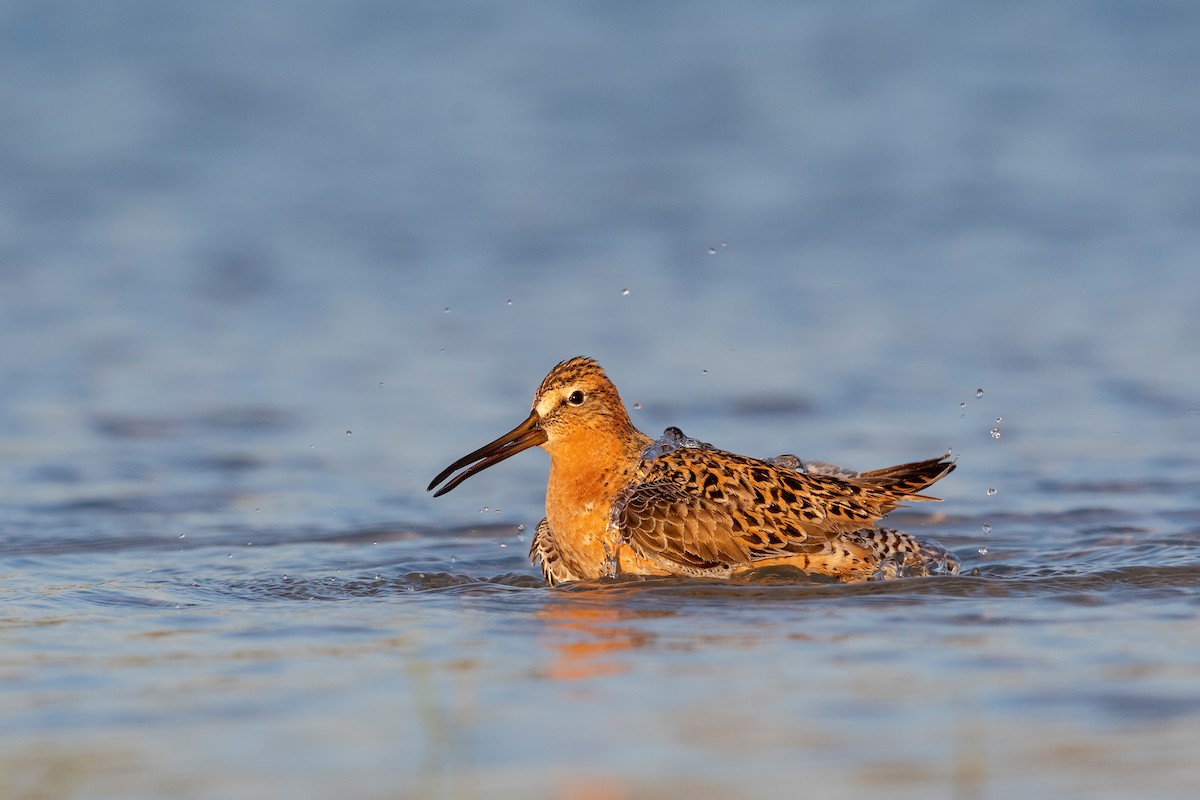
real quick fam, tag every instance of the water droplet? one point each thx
(712, 251)
(995, 433)
(962, 405)
(611, 565)
(991, 491)
(484, 510)
(999, 420)
(249, 544)
(983, 551)
(521, 528)
(230, 555)
(624, 293)
(348, 433)
(446, 310)
(987, 528)
(183, 536)
(453, 559)
(637, 405)
(979, 392)
(724, 244)
(703, 372)
(497, 510)
(503, 544)
(257, 510)
(381, 384)
(312, 447)
(508, 302)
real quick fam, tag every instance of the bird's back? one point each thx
(702, 509)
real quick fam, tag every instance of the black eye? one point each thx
(575, 398)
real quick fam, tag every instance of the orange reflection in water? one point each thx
(587, 635)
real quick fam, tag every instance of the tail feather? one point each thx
(906, 480)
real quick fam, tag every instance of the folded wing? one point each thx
(705, 510)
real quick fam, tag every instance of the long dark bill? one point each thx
(526, 435)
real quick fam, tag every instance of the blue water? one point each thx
(266, 268)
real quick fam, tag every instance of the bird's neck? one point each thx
(585, 477)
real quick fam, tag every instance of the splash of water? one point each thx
(672, 439)
(787, 461)
(930, 559)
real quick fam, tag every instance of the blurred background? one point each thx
(265, 268)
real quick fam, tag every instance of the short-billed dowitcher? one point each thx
(619, 502)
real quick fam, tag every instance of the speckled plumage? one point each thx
(617, 501)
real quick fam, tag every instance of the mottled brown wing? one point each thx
(706, 509)
(543, 550)
(666, 522)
